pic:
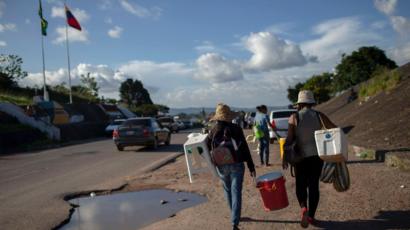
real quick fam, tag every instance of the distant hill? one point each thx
(381, 122)
(197, 110)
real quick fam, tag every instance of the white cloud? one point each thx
(401, 53)
(401, 25)
(2, 7)
(205, 47)
(339, 36)
(267, 90)
(108, 20)
(74, 35)
(156, 77)
(115, 32)
(3, 43)
(105, 4)
(8, 27)
(52, 78)
(379, 25)
(386, 6)
(59, 12)
(217, 69)
(271, 52)
(280, 28)
(140, 11)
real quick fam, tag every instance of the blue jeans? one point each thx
(232, 178)
(264, 150)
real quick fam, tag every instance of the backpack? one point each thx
(224, 147)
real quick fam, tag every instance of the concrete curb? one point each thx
(158, 164)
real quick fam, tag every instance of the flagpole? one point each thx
(68, 62)
(45, 95)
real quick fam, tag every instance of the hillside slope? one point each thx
(382, 122)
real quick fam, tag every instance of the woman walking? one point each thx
(231, 174)
(302, 126)
(262, 123)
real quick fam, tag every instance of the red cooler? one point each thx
(273, 191)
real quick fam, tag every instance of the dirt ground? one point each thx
(379, 198)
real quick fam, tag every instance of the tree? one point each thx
(133, 93)
(81, 91)
(90, 83)
(293, 92)
(320, 85)
(162, 108)
(146, 110)
(359, 66)
(10, 69)
(61, 88)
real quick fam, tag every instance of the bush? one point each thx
(16, 99)
(382, 79)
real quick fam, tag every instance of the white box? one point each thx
(331, 145)
(197, 155)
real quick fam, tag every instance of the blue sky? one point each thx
(199, 53)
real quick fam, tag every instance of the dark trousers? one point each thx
(307, 173)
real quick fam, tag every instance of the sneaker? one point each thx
(304, 222)
(312, 221)
(268, 165)
(235, 227)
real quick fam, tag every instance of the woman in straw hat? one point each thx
(302, 126)
(231, 174)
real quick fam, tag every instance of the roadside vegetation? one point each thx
(382, 79)
(13, 98)
(360, 66)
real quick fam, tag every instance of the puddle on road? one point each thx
(129, 210)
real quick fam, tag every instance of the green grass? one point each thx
(382, 80)
(16, 99)
(368, 154)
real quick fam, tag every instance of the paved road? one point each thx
(32, 185)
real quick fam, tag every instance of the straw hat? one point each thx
(223, 113)
(306, 97)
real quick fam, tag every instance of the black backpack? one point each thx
(224, 148)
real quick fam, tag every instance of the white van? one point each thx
(279, 120)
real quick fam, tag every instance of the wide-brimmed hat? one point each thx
(306, 97)
(223, 113)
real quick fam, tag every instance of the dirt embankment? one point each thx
(381, 122)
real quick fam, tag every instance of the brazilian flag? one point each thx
(44, 23)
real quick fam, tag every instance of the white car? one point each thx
(279, 120)
(113, 125)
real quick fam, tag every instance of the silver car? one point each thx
(142, 131)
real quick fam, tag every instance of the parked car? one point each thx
(188, 124)
(113, 125)
(169, 123)
(279, 120)
(181, 125)
(141, 131)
